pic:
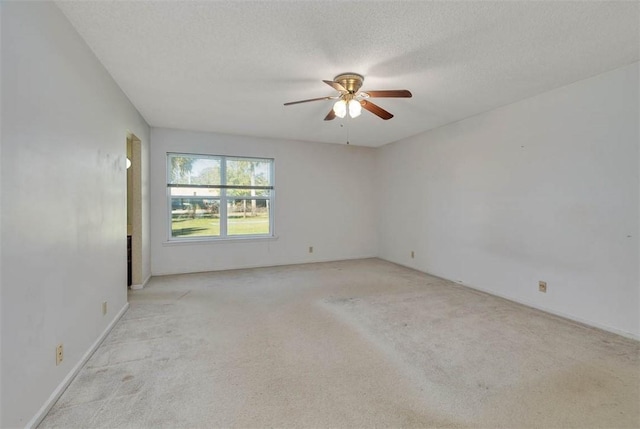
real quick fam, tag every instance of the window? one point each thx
(213, 197)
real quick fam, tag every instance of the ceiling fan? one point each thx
(352, 100)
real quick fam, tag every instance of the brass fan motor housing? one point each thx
(350, 81)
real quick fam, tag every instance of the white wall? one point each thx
(324, 198)
(543, 189)
(63, 251)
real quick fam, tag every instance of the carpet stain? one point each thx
(183, 295)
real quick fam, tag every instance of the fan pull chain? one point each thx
(342, 126)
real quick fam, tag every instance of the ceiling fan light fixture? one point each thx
(351, 100)
(340, 108)
(354, 108)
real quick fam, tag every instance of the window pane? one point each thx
(194, 217)
(185, 191)
(248, 217)
(248, 192)
(199, 209)
(194, 170)
(249, 172)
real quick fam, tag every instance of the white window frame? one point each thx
(223, 198)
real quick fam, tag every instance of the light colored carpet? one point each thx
(354, 344)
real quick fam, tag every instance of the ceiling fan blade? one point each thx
(335, 85)
(376, 110)
(396, 93)
(330, 116)
(311, 99)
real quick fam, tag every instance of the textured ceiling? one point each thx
(228, 66)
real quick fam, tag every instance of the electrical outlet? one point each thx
(104, 308)
(59, 354)
(310, 249)
(413, 255)
(542, 286)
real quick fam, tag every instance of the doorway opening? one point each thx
(134, 211)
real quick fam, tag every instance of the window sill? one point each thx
(250, 239)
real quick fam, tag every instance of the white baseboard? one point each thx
(142, 285)
(35, 421)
